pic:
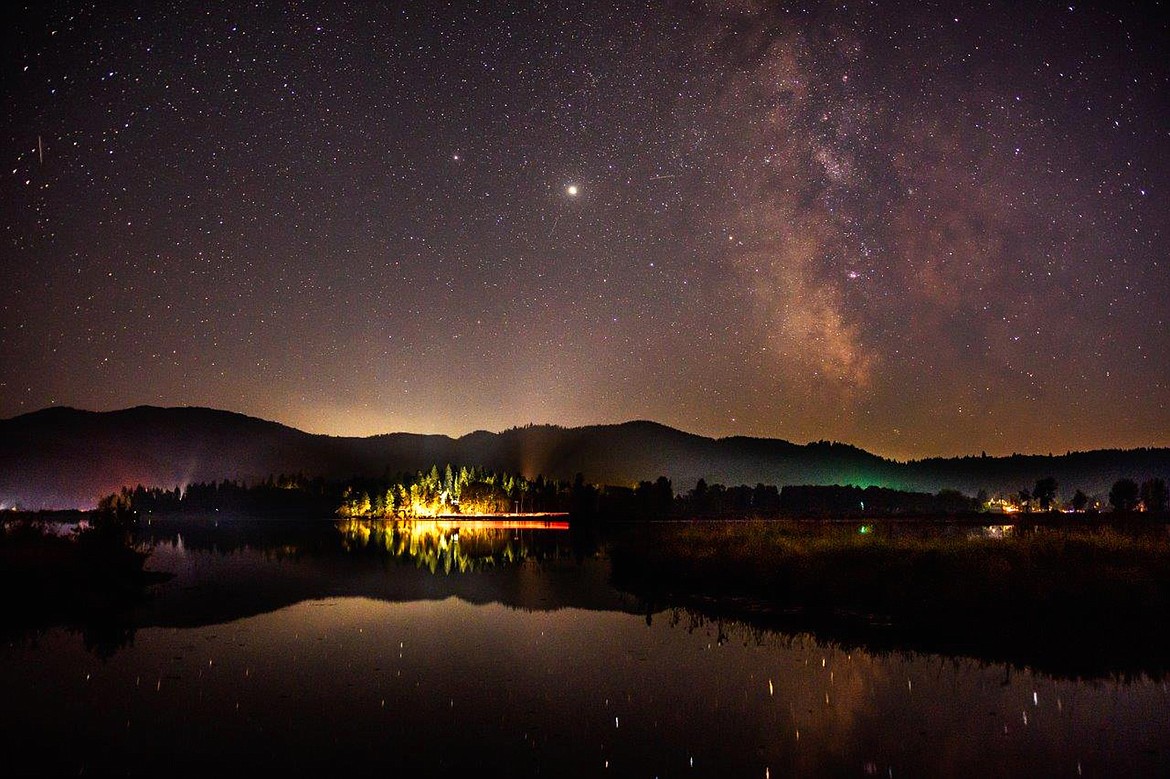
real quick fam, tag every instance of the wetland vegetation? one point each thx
(1075, 599)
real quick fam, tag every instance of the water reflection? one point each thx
(456, 546)
(439, 648)
(229, 570)
(355, 685)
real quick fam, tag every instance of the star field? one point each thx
(922, 228)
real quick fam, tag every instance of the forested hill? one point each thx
(63, 457)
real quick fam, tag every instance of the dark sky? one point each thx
(922, 228)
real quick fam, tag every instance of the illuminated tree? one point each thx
(354, 503)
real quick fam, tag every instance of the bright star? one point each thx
(572, 190)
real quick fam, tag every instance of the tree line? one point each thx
(470, 490)
(1125, 496)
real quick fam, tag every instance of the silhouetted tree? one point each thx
(656, 498)
(1079, 501)
(1044, 492)
(954, 502)
(1124, 495)
(766, 498)
(1154, 495)
(700, 496)
(716, 496)
(583, 501)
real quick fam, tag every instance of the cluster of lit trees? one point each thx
(1126, 495)
(449, 491)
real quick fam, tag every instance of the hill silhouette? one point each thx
(64, 458)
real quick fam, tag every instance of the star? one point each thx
(777, 207)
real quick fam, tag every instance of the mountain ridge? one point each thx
(63, 457)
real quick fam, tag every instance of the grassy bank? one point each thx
(1096, 598)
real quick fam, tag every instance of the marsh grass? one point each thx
(1094, 595)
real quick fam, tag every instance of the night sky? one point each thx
(922, 228)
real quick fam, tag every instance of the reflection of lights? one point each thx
(503, 524)
(447, 544)
(865, 530)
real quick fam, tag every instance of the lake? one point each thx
(446, 649)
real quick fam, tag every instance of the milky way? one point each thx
(920, 228)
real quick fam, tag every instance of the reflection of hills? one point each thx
(63, 457)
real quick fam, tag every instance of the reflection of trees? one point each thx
(438, 545)
(276, 538)
(89, 580)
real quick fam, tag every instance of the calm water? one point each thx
(266, 653)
